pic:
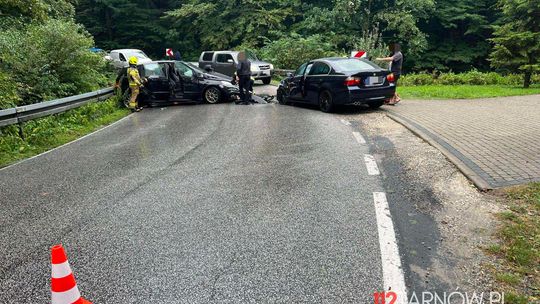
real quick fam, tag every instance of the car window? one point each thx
(153, 69)
(222, 58)
(308, 69)
(207, 56)
(121, 56)
(138, 54)
(353, 65)
(319, 68)
(300, 71)
(184, 69)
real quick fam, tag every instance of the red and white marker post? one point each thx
(359, 54)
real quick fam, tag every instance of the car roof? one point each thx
(127, 50)
(220, 52)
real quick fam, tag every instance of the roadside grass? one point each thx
(463, 91)
(52, 131)
(518, 250)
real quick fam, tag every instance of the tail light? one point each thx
(390, 77)
(353, 81)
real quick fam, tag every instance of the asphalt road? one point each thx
(198, 204)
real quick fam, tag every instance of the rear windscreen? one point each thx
(353, 65)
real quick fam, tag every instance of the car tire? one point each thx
(267, 80)
(212, 95)
(281, 98)
(124, 97)
(326, 101)
(376, 105)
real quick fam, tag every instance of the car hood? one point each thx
(258, 62)
(216, 77)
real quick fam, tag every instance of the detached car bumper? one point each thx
(365, 96)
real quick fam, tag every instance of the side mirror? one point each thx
(230, 61)
(290, 75)
(209, 69)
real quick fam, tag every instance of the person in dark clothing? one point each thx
(243, 70)
(177, 55)
(396, 62)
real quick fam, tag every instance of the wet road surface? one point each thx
(197, 204)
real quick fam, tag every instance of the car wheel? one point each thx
(212, 95)
(376, 105)
(326, 102)
(267, 80)
(281, 98)
(124, 97)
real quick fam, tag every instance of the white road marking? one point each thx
(359, 138)
(393, 276)
(346, 122)
(371, 165)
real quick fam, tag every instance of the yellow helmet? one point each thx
(133, 60)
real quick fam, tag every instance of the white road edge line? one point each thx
(393, 276)
(66, 144)
(371, 165)
(346, 122)
(359, 138)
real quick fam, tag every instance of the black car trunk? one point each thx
(372, 78)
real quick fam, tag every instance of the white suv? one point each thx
(119, 58)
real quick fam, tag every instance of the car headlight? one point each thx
(226, 84)
(271, 66)
(254, 68)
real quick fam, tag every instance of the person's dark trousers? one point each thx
(243, 84)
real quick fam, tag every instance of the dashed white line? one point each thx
(371, 165)
(346, 122)
(359, 138)
(393, 276)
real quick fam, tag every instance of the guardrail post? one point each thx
(21, 130)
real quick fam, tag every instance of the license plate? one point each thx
(373, 80)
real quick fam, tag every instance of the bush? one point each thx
(8, 92)
(290, 52)
(50, 60)
(470, 78)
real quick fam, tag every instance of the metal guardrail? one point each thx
(21, 114)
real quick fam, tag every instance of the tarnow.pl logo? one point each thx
(427, 297)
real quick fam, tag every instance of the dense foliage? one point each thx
(469, 78)
(517, 39)
(44, 54)
(442, 35)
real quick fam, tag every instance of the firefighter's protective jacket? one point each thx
(134, 77)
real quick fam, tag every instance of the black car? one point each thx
(177, 81)
(329, 82)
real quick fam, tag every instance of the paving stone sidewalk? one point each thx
(494, 141)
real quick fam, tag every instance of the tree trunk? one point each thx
(527, 79)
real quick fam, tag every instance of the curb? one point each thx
(476, 179)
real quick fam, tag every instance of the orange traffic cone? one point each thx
(64, 289)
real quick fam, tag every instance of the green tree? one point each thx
(517, 39)
(457, 36)
(227, 24)
(128, 24)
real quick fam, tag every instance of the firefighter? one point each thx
(135, 83)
